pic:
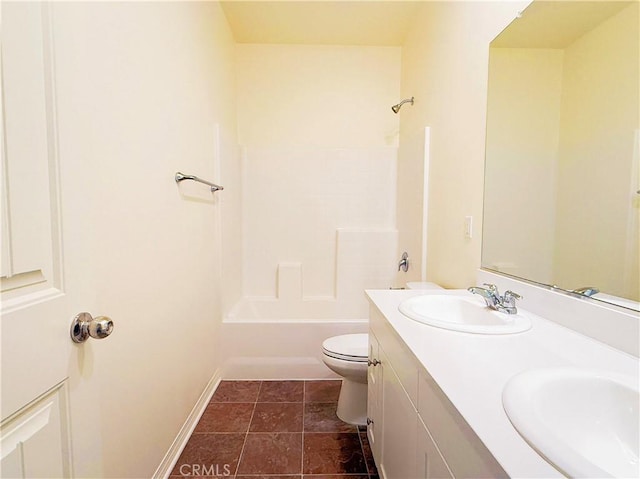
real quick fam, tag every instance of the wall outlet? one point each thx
(468, 227)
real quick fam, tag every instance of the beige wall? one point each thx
(317, 96)
(320, 145)
(597, 145)
(444, 65)
(140, 90)
(150, 88)
(523, 124)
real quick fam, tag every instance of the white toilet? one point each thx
(347, 356)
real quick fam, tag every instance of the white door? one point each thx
(39, 359)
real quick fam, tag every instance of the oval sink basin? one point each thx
(584, 423)
(469, 314)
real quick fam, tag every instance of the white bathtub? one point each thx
(259, 345)
(281, 338)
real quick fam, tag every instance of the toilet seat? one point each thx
(348, 347)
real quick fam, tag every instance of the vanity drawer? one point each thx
(463, 451)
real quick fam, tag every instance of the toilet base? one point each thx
(352, 403)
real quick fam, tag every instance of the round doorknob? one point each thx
(84, 326)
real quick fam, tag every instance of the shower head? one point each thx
(396, 108)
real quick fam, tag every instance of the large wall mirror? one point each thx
(561, 203)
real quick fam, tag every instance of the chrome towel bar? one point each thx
(181, 177)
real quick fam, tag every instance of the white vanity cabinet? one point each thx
(374, 396)
(414, 431)
(392, 431)
(429, 462)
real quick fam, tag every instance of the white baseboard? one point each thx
(173, 454)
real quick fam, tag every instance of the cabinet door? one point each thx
(429, 462)
(399, 419)
(374, 397)
(465, 453)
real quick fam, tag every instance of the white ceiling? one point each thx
(318, 22)
(558, 24)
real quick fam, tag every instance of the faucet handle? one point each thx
(404, 262)
(492, 287)
(510, 298)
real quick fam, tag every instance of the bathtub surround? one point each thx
(319, 148)
(280, 336)
(359, 257)
(318, 168)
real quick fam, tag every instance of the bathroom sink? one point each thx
(583, 422)
(462, 313)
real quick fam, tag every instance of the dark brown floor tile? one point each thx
(236, 391)
(287, 476)
(188, 475)
(271, 453)
(225, 417)
(336, 476)
(281, 391)
(368, 455)
(322, 391)
(321, 417)
(210, 452)
(333, 453)
(277, 417)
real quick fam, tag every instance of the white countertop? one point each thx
(472, 369)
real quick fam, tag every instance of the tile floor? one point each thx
(276, 430)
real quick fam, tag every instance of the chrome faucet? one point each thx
(404, 262)
(491, 295)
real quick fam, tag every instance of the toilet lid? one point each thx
(348, 347)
